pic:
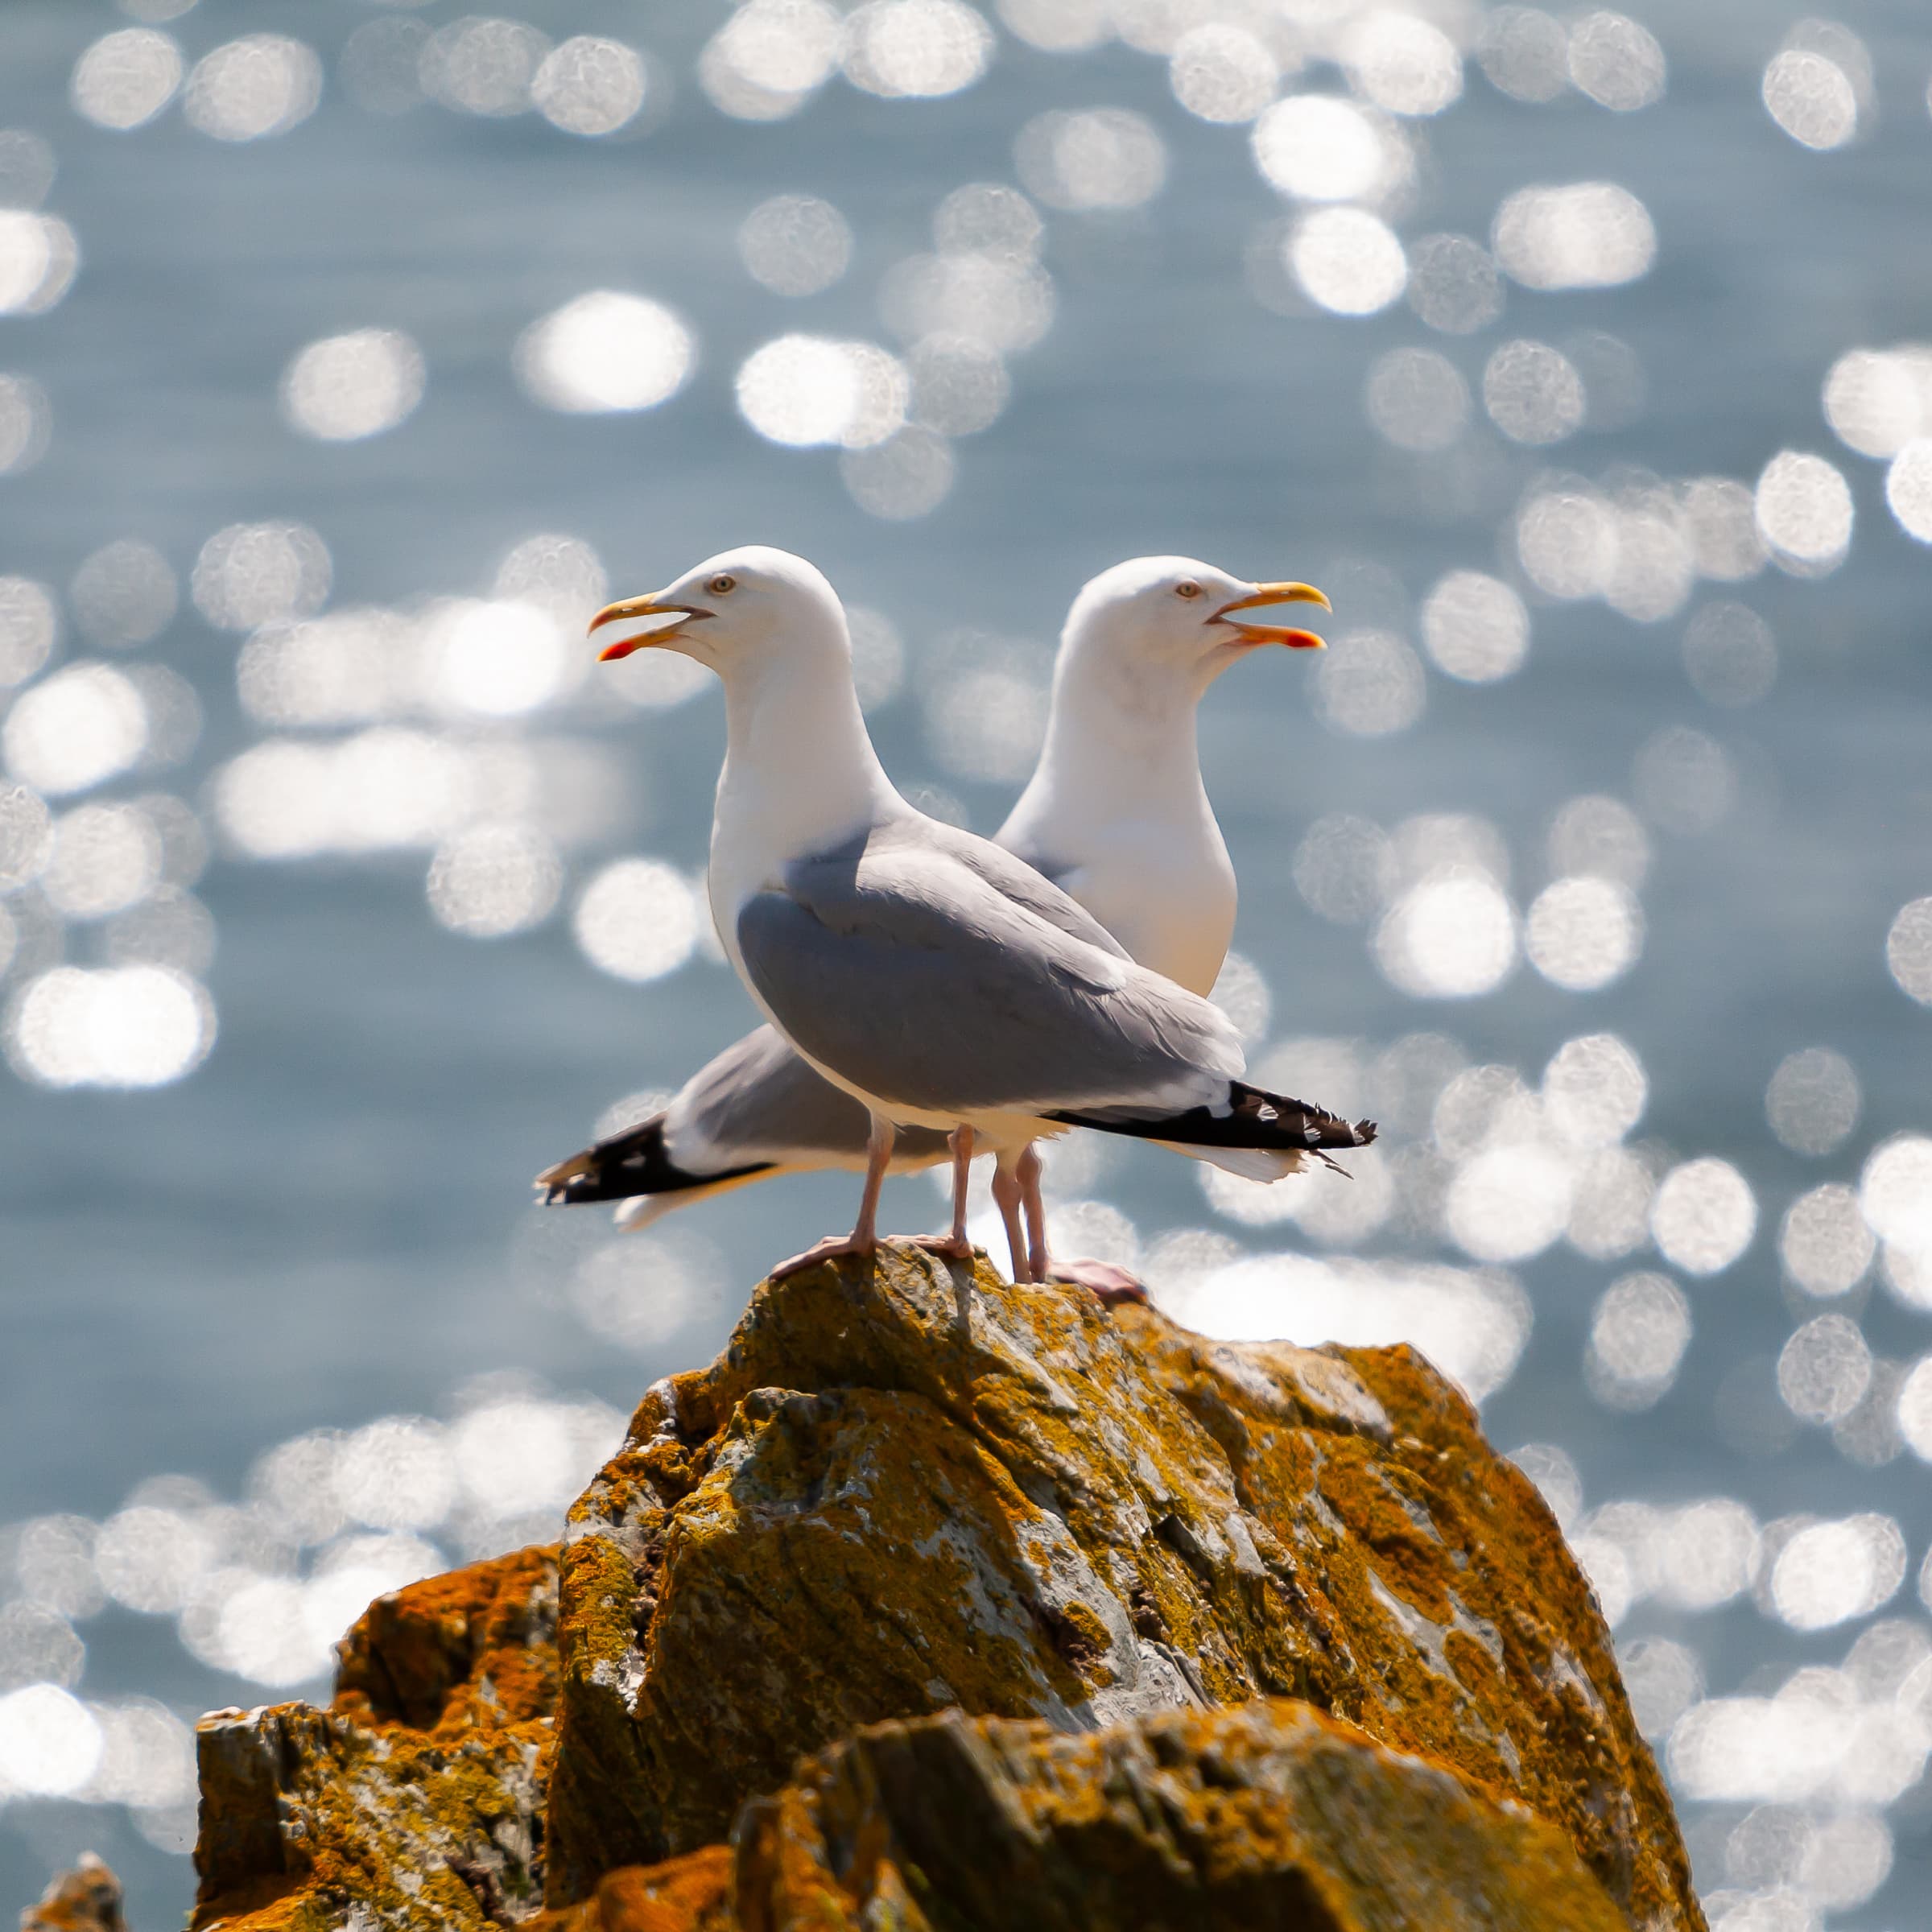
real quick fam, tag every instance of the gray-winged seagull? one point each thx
(1117, 814)
(939, 980)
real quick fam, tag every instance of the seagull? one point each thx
(937, 979)
(1116, 814)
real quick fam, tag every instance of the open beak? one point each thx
(636, 610)
(1265, 597)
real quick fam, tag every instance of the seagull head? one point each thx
(1154, 619)
(741, 609)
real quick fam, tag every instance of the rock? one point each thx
(978, 1605)
(909, 1489)
(416, 1799)
(1266, 1815)
(87, 1899)
(694, 1893)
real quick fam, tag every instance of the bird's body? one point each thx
(1116, 814)
(928, 973)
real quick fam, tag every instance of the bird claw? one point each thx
(941, 1245)
(832, 1248)
(1102, 1279)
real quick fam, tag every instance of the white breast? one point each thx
(1168, 897)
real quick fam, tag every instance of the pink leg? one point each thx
(864, 1240)
(1006, 1198)
(1028, 1169)
(1100, 1278)
(956, 1245)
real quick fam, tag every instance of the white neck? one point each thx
(1117, 809)
(1116, 749)
(800, 775)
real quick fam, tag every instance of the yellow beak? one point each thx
(631, 609)
(1266, 596)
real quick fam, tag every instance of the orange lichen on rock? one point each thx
(693, 1893)
(87, 1899)
(477, 1645)
(417, 1798)
(908, 1488)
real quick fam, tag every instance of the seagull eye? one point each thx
(1187, 587)
(722, 586)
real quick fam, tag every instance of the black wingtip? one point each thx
(1253, 1118)
(635, 1161)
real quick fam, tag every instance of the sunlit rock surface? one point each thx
(1266, 1815)
(910, 1490)
(416, 1798)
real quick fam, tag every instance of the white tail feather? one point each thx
(1250, 1163)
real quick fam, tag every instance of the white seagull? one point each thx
(1116, 814)
(932, 976)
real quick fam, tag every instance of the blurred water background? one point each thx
(350, 354)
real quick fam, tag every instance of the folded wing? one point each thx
(937, 973)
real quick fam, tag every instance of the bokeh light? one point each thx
(1348, 261)
(1322, 147)
(24, 424)
(799, 390)
(1804, 513)
(637, 920)
(82, 725)
(1524, 52)
(1370, 685)
(260, 85)
(1403, 63)
(1417, 399)
(1824, 1243)
(590, 85)
(346, 387)
(1594, 234)
(1222, 72)
(124, 594)
(1639, 1332)
(1453, 936)
(484, 65)
(606, 351)
(1616, 62)
(126, 78)
(1704, 1216)
(1813, 1101)
(1908, 951)
(491, 880)
(769, 58)
(1583, 933)
(1811, 97)
(251, 574)
(121, 1026)
(1731, 654)
(795, 245)
(1476, 627)
(1533, 393)
(915, 49)
(1102, 157)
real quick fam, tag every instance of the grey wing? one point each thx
(1027, 882)
(910, 975)
(759, 1100)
